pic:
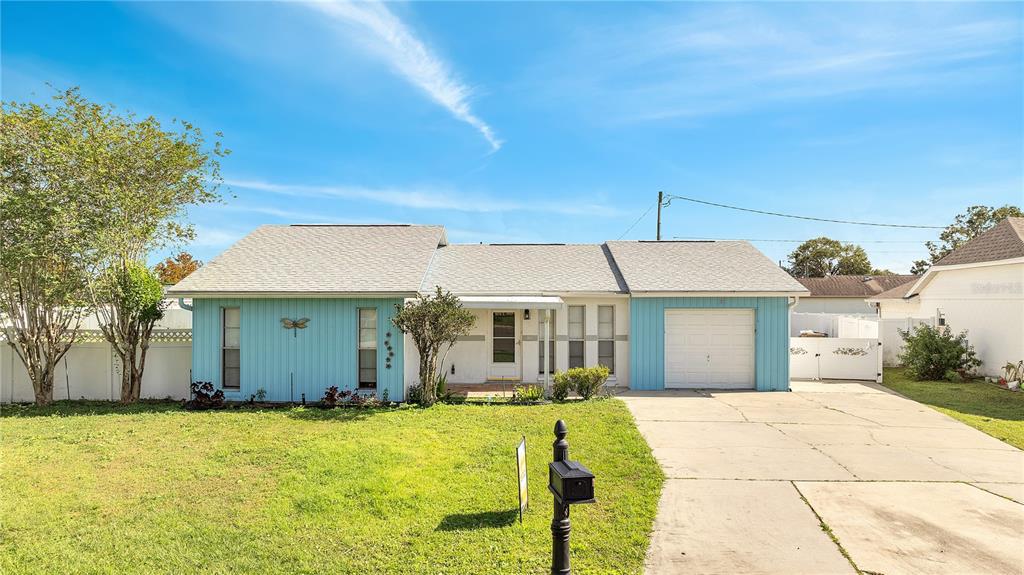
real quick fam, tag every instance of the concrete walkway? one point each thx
(826, 478)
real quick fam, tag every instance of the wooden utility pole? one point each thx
(658, 234)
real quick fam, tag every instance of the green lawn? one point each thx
(997, 412)
(155, 489)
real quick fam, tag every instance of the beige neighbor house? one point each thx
(846, 294)
(979, 287)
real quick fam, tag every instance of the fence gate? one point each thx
(835, 358)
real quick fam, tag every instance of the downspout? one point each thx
(183, 305)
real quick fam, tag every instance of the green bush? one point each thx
(561, 386)
(930, 353)
(527, 393)
(585, 381)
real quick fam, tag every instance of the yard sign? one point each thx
(521, 472)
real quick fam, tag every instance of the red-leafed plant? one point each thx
(204, 396)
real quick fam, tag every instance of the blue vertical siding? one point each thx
(288, 364)
(647, 335)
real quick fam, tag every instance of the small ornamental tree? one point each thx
(135, 299)
(932, 353)
(434, 322)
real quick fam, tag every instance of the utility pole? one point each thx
(658, 234)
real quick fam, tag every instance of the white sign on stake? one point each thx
(521, 472)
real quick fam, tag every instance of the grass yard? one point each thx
(154, 489)
(997, 412)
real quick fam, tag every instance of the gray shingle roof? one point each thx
(853, 285)
(329, 259)
(523, 269)
(686, 266)
(1004, 241)
(898, 292)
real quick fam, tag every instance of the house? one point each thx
(846, 294)
(978, 287)
(293, 309)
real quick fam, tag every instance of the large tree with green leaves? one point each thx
(103, 188)
(140, 178)
(45, 250)
(820, 257)
(434, 322)
(965, 226)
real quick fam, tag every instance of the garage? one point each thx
(709, 348)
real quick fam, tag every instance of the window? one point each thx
(606, 336)
(576, 316)
(540, 343)
(230, 348)
(503, 337)
(368, 347)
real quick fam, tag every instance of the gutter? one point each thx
(183, 305)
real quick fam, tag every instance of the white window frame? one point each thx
(609, 337)
(360, 348)
(581, 340)
(224, 347)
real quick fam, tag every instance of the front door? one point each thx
(504, 360)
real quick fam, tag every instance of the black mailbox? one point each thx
(570, 482)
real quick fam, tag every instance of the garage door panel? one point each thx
(709, 348)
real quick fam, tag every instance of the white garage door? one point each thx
(709, 348)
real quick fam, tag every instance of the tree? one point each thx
(139, 178)
(133, 298)
(173, 270)
(435, 323)
(45, 258)
(820, 257)
(965, 226)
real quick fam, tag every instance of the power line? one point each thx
(781, 215)
(796, 241)
(642, 216)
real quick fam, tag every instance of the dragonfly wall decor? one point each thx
(294, 324)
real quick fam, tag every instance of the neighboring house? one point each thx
(658, 314)
(846, 294)
(978, 287)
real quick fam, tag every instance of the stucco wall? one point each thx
(833, 305)
(471, 355)
(899, 309)
(287, 363)
(986, 301)
(647, 334)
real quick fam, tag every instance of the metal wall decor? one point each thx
(391, 353)
(294, 324)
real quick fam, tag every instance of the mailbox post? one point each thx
(571, 483)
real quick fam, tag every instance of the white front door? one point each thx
(709, 348)
(504, 348)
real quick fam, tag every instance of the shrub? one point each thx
(527, 393)
(441, 390)
(414, 394)
(205, 397)
(561, 386)
(931, 352)
(333, 398)
(585, 381)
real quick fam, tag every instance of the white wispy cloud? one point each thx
(410, 57)
(692, 62)
(427, 199)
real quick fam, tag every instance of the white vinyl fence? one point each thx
(892, 342)
(91, 370)
(833, 324)
(835, 358)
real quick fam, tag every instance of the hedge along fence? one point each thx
(91, 370)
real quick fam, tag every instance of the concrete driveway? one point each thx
(826, 478)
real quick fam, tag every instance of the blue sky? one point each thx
(559, 122)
